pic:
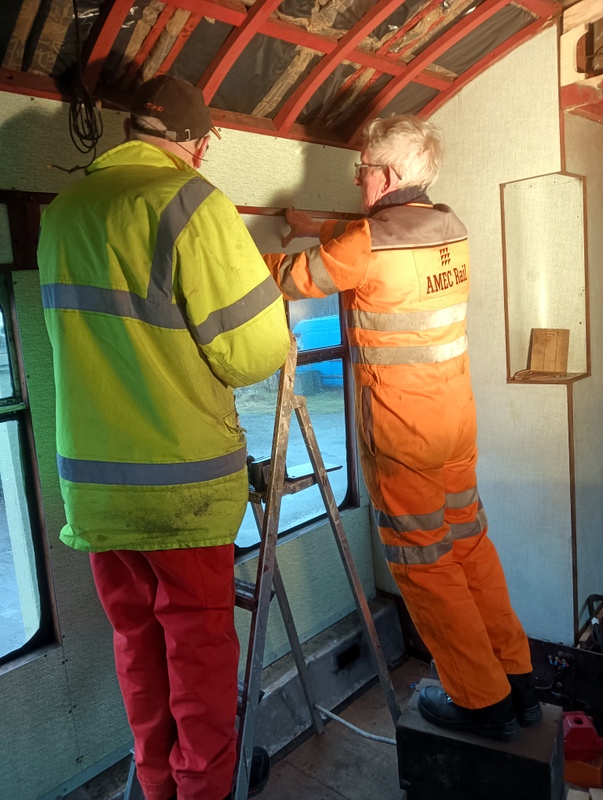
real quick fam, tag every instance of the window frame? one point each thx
(16, 408)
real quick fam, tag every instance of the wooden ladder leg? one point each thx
(334, 516)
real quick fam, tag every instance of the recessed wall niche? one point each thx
(545, 273)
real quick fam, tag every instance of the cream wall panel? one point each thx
(250, 169)
(500, 128)
(30, 761)
(584, 143)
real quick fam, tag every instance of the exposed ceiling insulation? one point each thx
(314, 70)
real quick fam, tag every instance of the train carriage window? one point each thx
(22, 617)
(321, 376)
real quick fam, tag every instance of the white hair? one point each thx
(413, 147)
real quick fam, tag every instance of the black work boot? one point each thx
(523, 694)
(497, 721)
(259, 773)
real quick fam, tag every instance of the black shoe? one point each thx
(497, 721)
(523, 694)
(259, 773)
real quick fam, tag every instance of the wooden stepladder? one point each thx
(255, 597)
(266, 505)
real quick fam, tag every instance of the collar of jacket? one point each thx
(136, 154)
(400, 197)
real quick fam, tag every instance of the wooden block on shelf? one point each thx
(548, 349)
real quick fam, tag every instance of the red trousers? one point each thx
(176, 657)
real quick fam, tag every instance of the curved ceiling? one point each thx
(314, 70)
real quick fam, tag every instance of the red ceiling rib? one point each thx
(147, 45)
(183, 37)
(33, 85)
(102, 36)
(542, 8)
(234, 45)
(453, 35)
(487, 61)
(294, 105)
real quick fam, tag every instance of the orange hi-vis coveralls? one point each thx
(404, 274)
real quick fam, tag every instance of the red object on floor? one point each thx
(581, 741)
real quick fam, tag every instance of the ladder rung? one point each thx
(240, 708)
(245, 594)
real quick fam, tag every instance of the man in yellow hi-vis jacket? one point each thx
(158, 304)
(404, 274)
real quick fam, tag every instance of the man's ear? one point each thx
(127, 128)
(200, 150)
(391, 179)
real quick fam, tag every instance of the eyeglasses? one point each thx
(361, 165)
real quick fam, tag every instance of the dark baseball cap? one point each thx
(178, 104)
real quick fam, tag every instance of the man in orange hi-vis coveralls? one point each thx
(404, 274)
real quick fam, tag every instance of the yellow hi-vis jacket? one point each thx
(157, 302)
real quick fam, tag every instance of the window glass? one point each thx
(6, 379)
(19, 594)
(315, 323)
(322, 385)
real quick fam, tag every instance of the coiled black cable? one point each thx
(85, 123)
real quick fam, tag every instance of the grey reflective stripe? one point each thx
(429, 553)
(318, 271)
(417, 245)
(408, 321)
(239, 312)
(462, 499)
(118, 473)
(411, 522)
(287, 284)
(427, 354)
(174, 218)
(115, 302)
(464, 530)
(413, 554)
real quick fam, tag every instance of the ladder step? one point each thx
(245, 594)
(240, 707)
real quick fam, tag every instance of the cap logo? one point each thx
(154, 107)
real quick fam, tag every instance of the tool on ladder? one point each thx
(269, 577)
(266, 497)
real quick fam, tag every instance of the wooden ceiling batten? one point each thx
(453, 35)
(294, 105)
(104, 32)
(13, 57)
(182, 38)
(136, 64)
(233, 47)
